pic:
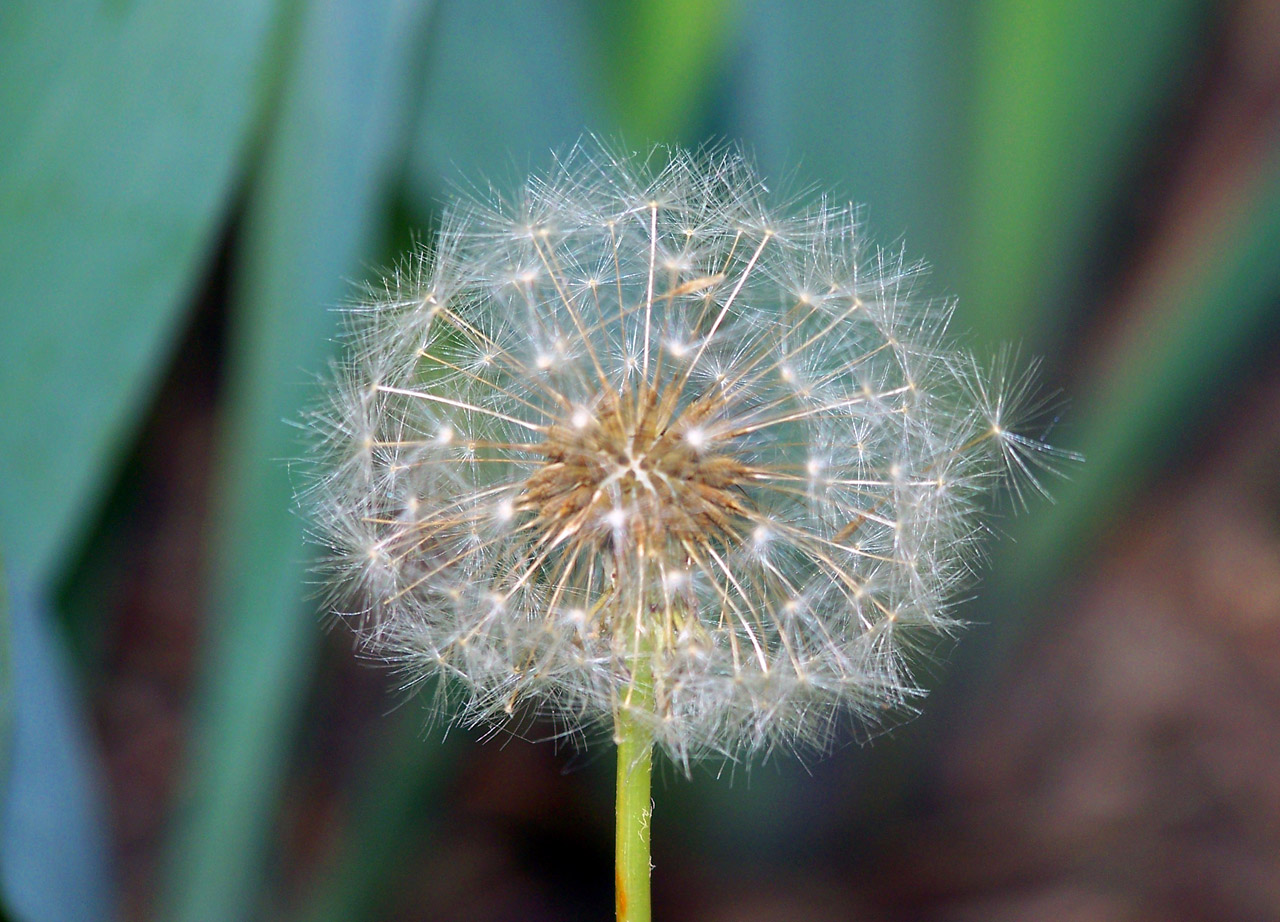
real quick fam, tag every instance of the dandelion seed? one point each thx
(718, 466)
(674, 430)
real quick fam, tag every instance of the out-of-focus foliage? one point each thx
(54, 855)
(1061, 97)
(314, 214)
(168, 167)
(124, 127)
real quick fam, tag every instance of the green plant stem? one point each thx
(634, 808)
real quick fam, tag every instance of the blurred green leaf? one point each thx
(391, 822)
(659, 58)
(312, 219)
(1065, 91)
(6, 681)
(862, 99)
(123, 128)
(506, 83)
(53, 843)
(1196, 332)
(36, 41)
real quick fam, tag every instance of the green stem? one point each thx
(635, 762)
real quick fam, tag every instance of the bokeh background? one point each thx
(188, 190)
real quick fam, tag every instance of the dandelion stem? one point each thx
(635, 446)
(634, 806)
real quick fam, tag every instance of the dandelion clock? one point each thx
(637, 449)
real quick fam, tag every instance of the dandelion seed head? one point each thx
(638, 425)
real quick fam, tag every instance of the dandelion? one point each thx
(636, 448)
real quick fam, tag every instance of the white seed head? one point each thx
(655, 431)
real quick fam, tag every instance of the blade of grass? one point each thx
(124, 126)
(1064, 92)
(53, 843)
(6, 686)
(863, 98)
(498, 100)
(314, 217)
(660, 59)
(6, 716)
(1202, 322)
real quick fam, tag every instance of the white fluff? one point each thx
(764, 569)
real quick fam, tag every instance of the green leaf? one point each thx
(505, 84)
(36, 41)
(53, 842)
(659, 58)
(1197, 328)
(860, 100)
(6, 681)
(123, 125)
(316, 212)
(1065, 91)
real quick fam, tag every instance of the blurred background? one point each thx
(188, 190)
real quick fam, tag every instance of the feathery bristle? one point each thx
(641, 427)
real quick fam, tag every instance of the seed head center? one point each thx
(637, 469)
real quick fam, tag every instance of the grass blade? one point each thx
(496, 100)
(661, 60)
(53, 843)
(1064, 92)
(1145, 408)
(315, 216)
(124, 126)
(865, 96)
